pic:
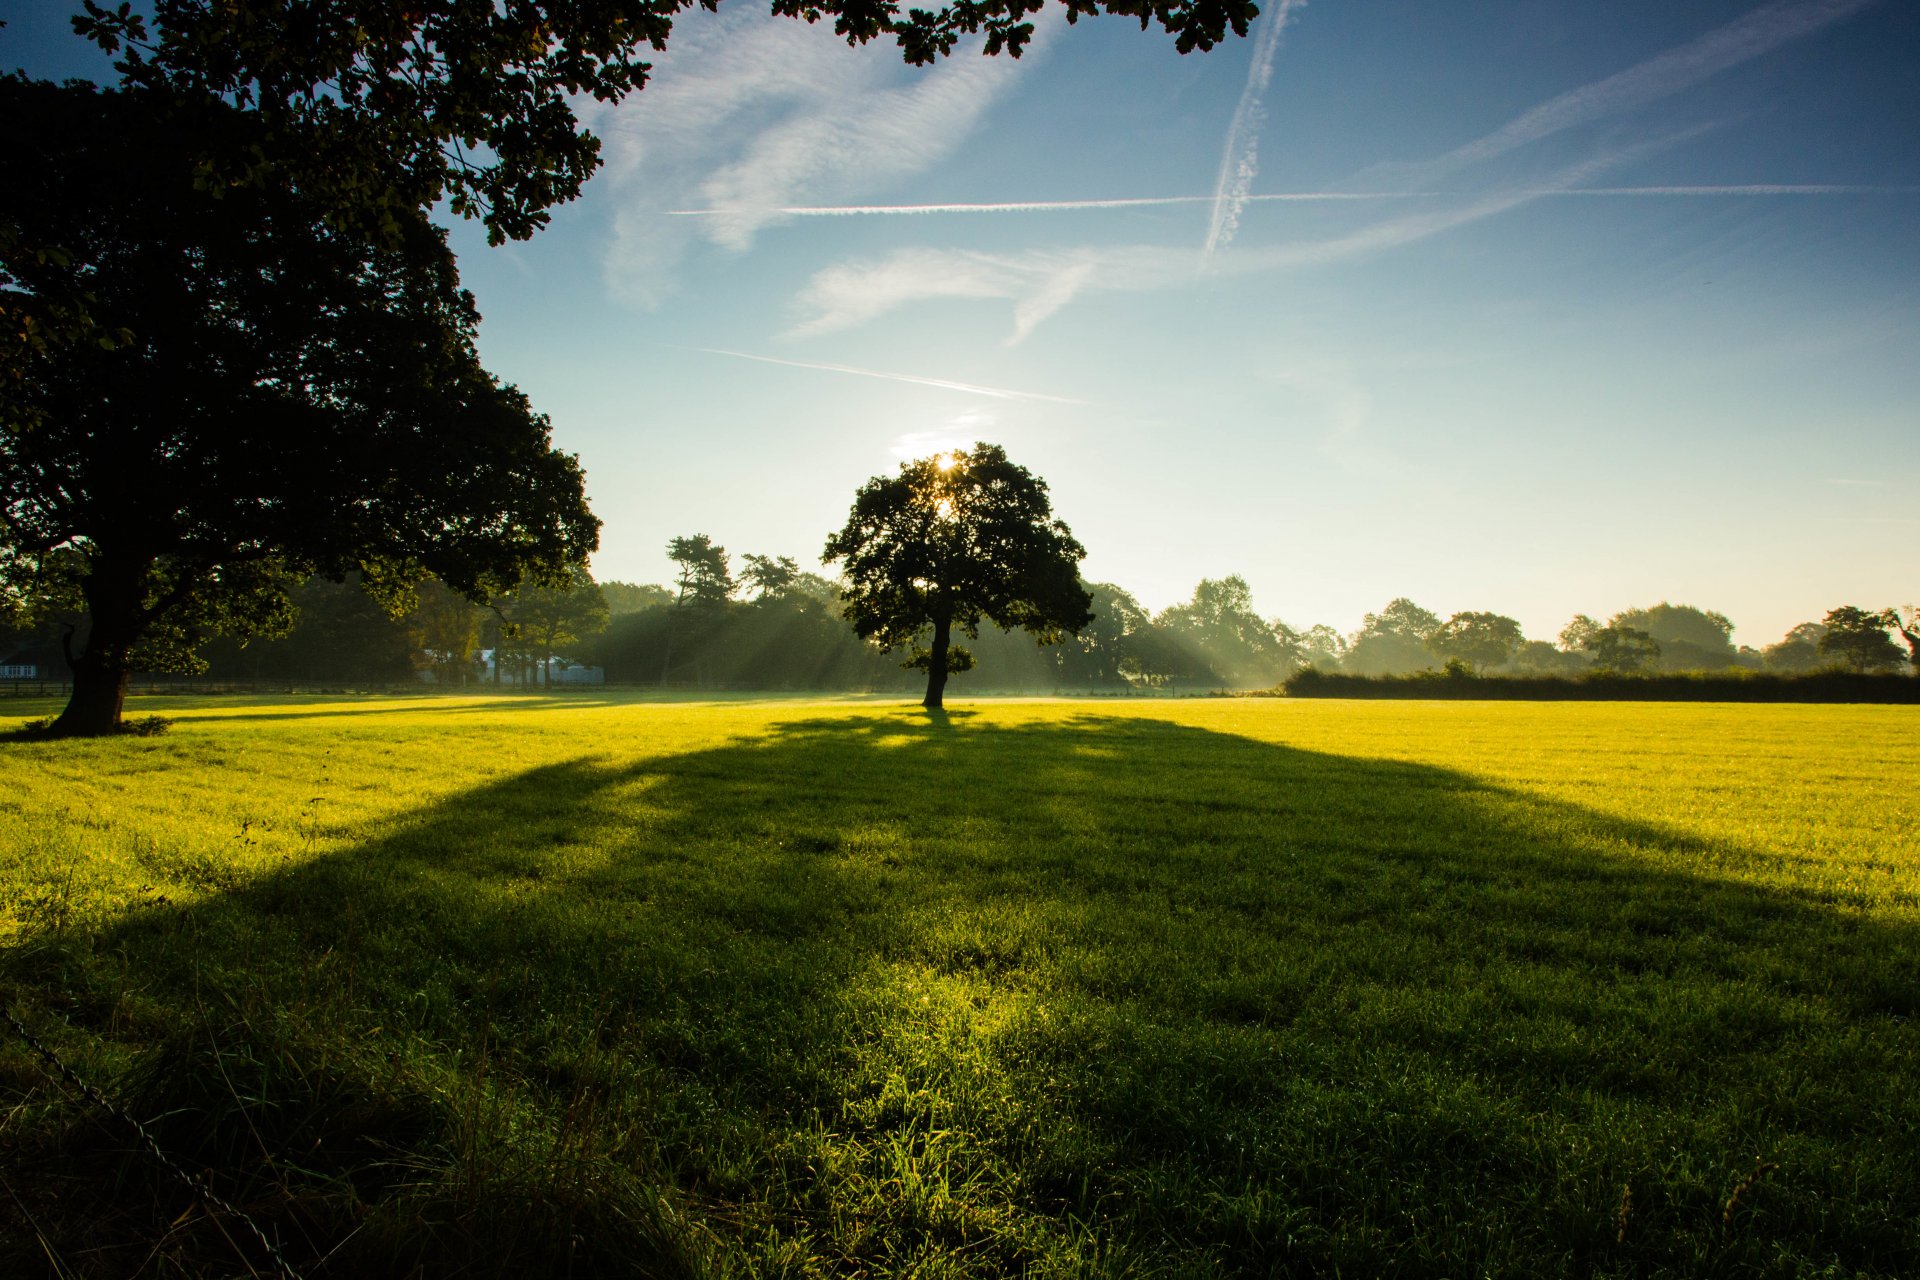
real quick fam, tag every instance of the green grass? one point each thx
(601, 987)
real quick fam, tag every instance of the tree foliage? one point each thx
(204, 401)
(951, 541)
(1625, 650)
(1857, 638)
(393, 105)
(1480, 640)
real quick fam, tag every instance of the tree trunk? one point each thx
(99, 696)
(937, 664)
(114, 594)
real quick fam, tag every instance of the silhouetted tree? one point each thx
(1906, 620)
(385, 107)
(204, 401)
(1480, 640)
(950, 541)
(1858, 639)
(770, 577)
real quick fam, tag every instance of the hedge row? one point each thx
(1827, 686)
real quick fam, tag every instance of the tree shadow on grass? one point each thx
(897, 991)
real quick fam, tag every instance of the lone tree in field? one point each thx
(953, 540)
(204, 401)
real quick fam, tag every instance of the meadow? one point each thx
(603, 986)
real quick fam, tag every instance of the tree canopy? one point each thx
(205, 400)
(951, 541)
(1857, 638)
(393, 105)
(1479, 640)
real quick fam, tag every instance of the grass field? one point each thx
(602, 987)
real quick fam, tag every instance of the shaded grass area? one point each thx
(1178, 990)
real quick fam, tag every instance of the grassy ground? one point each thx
(527, 987)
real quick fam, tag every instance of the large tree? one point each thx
(383, 107)
(210, 393)
(1480, 640)
(1858, 638)
(951, 541)
(1238, 645)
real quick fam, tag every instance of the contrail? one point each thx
(1240, 160)
(1001, 393)
(1745, 38)
(1298, 197)
(1038, 206)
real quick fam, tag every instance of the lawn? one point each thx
(604, 986)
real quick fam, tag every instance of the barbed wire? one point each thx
(195, 1183)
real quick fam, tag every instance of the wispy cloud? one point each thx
(1040, 282)
(1240, 158)
(749, 115)
(1729, 190)
(1663, 75)
(945, 384)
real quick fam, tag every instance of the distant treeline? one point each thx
(769, 625)
(1603, 686)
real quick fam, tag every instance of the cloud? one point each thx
(749, 114)
(1240, 158)
(1037, 282)
(1040, 282)
(1309, 197)
(1741, 40)
(946, 384)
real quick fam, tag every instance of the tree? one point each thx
(1906, 620)
(627, 597)
(446, 628)
(953, 540)
(1233, 640)
(770, 577)
(1322, 647)
(1626, 650)
(1101, 652)
(545, 616)
(1577, 636)
(1480, 640)
(204, 401)
(1859, 640)
(1690, 639)
(1798, 652)
(1393, 641)
(704, 587)
(384, 107)
(705, 576)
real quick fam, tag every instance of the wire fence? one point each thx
(61, 1069)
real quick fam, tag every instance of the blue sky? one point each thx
(1540, 308)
